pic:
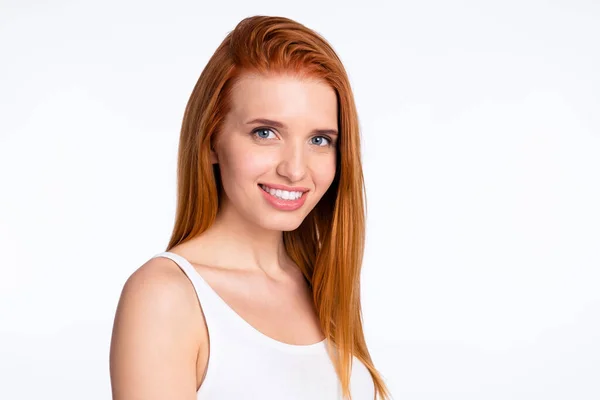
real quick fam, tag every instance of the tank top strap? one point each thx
(216, 313)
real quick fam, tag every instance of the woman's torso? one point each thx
(249, 324)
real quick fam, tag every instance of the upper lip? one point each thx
(283, 187)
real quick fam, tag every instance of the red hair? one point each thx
(328, 246)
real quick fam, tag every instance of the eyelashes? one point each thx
(257, 130)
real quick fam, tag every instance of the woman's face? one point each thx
(281, 131)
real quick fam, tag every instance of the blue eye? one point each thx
(323, 137)
(261, 131)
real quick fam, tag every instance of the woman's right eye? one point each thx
(262, 133)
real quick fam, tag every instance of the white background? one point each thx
(481, 133)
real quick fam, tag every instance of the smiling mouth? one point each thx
(283, 195)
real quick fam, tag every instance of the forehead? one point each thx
(292, 100)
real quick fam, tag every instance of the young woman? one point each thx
(257, 295)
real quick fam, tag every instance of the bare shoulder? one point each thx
(156, 335)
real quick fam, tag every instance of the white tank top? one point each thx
(246, 364)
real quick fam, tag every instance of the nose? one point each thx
(292, 164)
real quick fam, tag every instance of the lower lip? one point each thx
(281, 204)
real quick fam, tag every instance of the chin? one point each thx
(283, 223)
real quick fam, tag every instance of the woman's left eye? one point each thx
(328, 143)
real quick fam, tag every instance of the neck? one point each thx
(236, 243)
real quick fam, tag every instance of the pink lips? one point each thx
(281, 204)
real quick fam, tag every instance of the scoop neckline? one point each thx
(260, 336)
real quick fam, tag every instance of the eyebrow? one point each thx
(281, 125)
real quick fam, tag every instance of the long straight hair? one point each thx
(328, 246)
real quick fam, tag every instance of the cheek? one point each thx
(324, 172)
(242, 163)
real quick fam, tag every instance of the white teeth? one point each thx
(282, 194)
